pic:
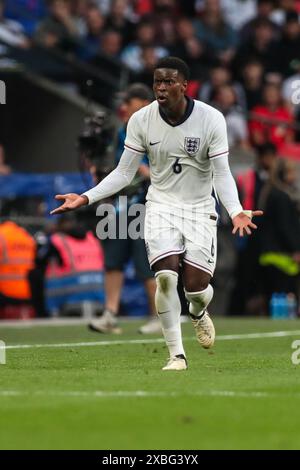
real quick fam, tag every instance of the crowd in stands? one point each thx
(244, 57)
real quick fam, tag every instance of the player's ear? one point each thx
(184, 85)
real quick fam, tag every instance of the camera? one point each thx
(97, 140)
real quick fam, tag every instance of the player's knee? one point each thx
(200, 299)
(166, 280)
(197, 285)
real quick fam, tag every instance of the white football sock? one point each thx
(199, 300)
(169, 309)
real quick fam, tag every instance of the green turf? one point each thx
(43, 416)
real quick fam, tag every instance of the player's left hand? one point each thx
(243, 222)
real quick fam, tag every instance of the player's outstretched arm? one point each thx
(242, 223)
(71, 202)
(112, 184)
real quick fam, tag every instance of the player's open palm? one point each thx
(243, 222)
(71, 202)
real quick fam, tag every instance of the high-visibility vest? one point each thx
(80, 275)
(246, 185)
(17, 256)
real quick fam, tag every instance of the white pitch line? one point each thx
(145, 394)
(272, 334)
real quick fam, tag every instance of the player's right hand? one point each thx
(72, 201)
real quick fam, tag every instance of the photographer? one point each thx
(118, 251)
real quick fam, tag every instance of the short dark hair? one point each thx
(174, 63)
(140, 91)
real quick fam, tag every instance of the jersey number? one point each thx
(177, 168)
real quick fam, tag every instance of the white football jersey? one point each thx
(179, 155)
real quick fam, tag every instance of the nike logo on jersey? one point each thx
(154, 143)
(210, 261)
(161, 313)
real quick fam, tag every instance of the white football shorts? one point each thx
(171, 231)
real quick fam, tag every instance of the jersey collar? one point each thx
(188, 112)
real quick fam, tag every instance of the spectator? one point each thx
(119, 21)
(282, 8)
(215, 33)
(131, 55)
(220, 76)
(59, 29)
(95, 23)
(111, 43)
(238, 12)
(79, 10)
(262, 48)
(245, 295)
(191, 50)
(11, 31)
(264, 10)
(237, 131)
(279, 237)
(252, 81)
(271, 121)
(288, 50)
(149, 61)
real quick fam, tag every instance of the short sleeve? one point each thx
(218, 144)
(134, 138)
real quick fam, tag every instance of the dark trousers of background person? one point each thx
(247, 282)
(36, 279)
(273, 280)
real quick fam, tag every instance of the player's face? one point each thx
(169, 87)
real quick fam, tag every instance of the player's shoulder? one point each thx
(207, 110)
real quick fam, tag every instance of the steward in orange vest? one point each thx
(17, 256)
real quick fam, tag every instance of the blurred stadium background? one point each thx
(64, 68)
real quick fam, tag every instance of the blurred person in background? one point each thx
(149, 60)
(109, 46)
(238, 12)
(279, 238)
(191, 49)
(212, 30)
(111, 43)
(117, 252)
(220, 76)
(119, 20)
(72, 262)
(252, 82)
(264, 11)
(59, 29)
(5, 169)
(288, 50)
(237, 130)
(271, 120)
(250, 184)
(145, 36)
(282, 8)
(95, 23)
(11, 31)
(17, 255)
(261, 47)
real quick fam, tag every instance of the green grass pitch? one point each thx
(244, 394)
